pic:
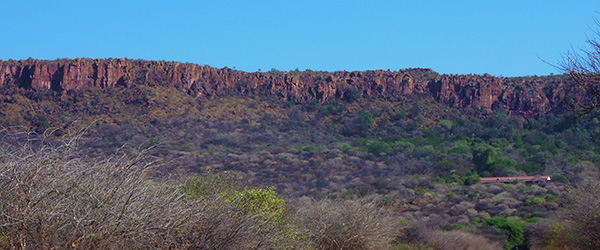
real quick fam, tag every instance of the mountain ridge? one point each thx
(523, 96)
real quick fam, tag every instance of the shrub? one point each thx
(359, 125)
(450, 240)
(344, 224)
(307, 149)
(52, 198)
(425, 235)
(558, 178)
(513, 231)
(240, 218)
(377, 148)
(560, 238)
(583, 215)
(536, 201)
(345, 147)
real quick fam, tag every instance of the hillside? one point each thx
(418, 139)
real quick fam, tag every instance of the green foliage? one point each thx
(332, 109)
(212, 185)
(460, 149)
(263, 202)
(445, 125)
(472, 195)
(434, 140)
(275, 71)
(533, 220)
(484, 158)
(463, 177)
(489, 162)
(550, 197)
(307, 149)
(312, 106)
(531, 167)
(345, 147)
(387, 200)
(536, 201)
(558, 178)
(421, 191)
(513, 231)
(561, 237)
(360, 124)
(377, 148)
(471, 179)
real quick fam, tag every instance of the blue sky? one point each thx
(502, 38)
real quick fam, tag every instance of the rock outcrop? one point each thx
(527, 97)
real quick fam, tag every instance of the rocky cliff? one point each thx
(526, 96)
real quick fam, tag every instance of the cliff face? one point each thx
(521, 96)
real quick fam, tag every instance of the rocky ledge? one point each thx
(524, 96)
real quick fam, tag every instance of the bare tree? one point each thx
(443, 240)
(345, 224)
(583, 66)
(583, 215)
(51, 197)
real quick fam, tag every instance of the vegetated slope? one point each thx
(420, 143)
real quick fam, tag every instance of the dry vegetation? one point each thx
(53, 198)
(450, 240)
(418, 160)
(345, 224)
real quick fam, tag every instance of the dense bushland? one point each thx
(53, 197)
(421, 159)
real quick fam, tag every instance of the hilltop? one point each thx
(523, 96)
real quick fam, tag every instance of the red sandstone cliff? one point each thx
(522, 96)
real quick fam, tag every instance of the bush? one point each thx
(344, 224)
(424, 235)
(257, 202)
(583, 215)
(377, 148)
(450, 240)
(558, 178)
(361, 124)
(513, 231)
(238, 217)
(52, 198)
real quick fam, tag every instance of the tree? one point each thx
(359, 125)
(377, 148)
(515, 239)
(485, 159)
(584, 67)
(583, 215)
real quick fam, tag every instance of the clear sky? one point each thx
(502, 38)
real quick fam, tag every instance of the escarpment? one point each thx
(524, 96)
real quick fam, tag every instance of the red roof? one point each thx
(515, 178)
